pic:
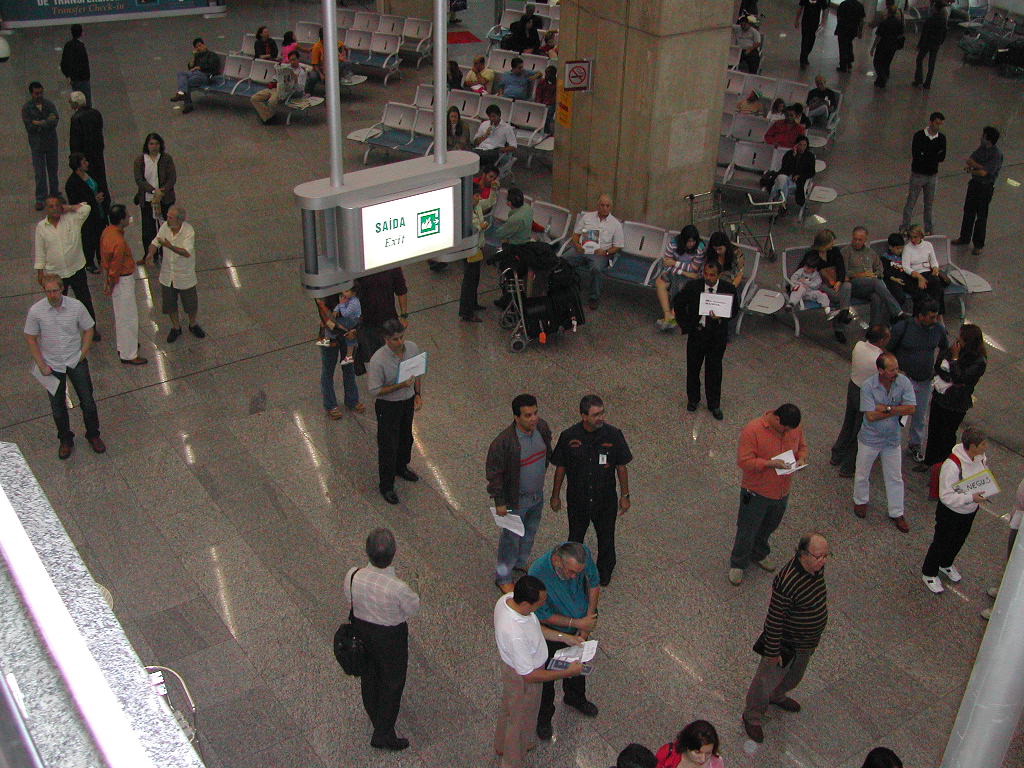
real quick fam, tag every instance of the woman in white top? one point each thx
(919, 262)
(956, 508)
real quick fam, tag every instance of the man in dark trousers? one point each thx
(933, 34)
(849, 25)
(593, 455)
(74, 64)
(983, 165)
(40, 118)
(377, 296)
(927, 150)
(809, 18)
(707, 337)
(87, 134)
(396, 402)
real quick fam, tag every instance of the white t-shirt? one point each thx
(609, 229)
(519, 638)
(178, 271)
(501, 136)
(862, 365)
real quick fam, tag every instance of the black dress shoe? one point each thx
(545, 732)
(65, 449)
(390, 497)
(407, 474)
(583, 706)
(394, 743)
(691, 407)
(605, 581)
(197, 331)
(717, 413)
(173, 334)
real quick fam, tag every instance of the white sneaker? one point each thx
(736, 576)
(951, 573)
(986, 614)
(933, 583)
(993, 592)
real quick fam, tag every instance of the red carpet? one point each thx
(461, 37)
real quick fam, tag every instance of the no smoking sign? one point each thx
(578, 75)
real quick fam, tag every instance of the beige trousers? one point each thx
(265, 102)
(517, 721)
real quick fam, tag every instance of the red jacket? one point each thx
(783, 134)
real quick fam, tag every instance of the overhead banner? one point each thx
(38, 13)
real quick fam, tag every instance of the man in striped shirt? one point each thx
(797, 615)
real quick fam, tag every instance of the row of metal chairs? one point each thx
(416, 34)
(243, 76)
(550, 14)
(739, 84)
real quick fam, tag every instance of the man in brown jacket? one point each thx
(516, 464)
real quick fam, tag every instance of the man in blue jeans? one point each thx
(517, 461)
(203, 66)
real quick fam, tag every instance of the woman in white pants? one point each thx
(118, 267)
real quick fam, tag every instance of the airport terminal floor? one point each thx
(228, 506)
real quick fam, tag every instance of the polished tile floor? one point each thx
(228, 507)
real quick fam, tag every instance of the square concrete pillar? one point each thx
(648, 132)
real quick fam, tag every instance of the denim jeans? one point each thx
(328, 362)
(892, 471)
(592, 263)
(923, 393)
(44, 163)
(189, 80)
(82, 383)
(757, 520)
(514, 551)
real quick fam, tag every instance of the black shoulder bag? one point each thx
(349, 649)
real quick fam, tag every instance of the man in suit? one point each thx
(707, 337)
(87, 134)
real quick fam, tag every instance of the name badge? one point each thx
(602, 458)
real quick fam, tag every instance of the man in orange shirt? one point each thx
(119, 268)
(763, 491)
(318, 75)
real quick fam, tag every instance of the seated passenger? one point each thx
(777, 111)
(729, 257)
(750, 104)
(828, 260)
(922, 267)
(288, 44)
(895, 279)
(494, 137)
(516, 83)
(524, 35)
(479, 79)
(549, 47)
(749, 40)
(595, 241)
(454, 75)
(458, 132)
(289, 80)
(797, 167)
(682, 261)
(265, 47)
(203, 65)
(863, 280)
(821, 102)
(806, 284)
(784, 133)
(801, 118)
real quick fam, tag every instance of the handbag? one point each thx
(457, 5)
(349, 649)
(786, 652)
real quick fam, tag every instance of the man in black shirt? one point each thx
(927, 150)
(592, 454)
(74, 63)
(808, 20)
(983, 166)
(203, 65)
(87, 134)
(849, 24)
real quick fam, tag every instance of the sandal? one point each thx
(335, 413)
(358, 408)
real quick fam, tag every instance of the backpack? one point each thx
(933, 480)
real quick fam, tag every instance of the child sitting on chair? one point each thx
(807, 285)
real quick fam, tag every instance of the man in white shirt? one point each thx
(58, 249)
(865, 353)
(749, 40)
(177, 271)
(59, 333)
(521, 644)
(494, 137)
(291, 79)
(596, 240)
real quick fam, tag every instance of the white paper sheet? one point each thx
(414, 366)
(583, 652)
(790, 458)
(982, 482)
(48, 382)
(510, 522)
(719, 303)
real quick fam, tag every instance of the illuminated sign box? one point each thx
(404, 228)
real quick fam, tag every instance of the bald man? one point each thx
(596, 240)
(178, 280)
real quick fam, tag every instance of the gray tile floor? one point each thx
(228, 507)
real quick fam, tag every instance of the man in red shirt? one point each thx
(763, 490)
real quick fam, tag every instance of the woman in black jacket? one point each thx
(83, 188)
(961, 367)
(155, 177)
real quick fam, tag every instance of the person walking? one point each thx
(707, 336)
(957, 373)
(83, 187)
(889, 38)
(849, 25)
(382, 605)
(86, 134)
(74, 64)
(155, 177)
(177, 272)
(58, 249)
(956, 508)
(59, 333)
(810, 17)
(593, 455)
(522, 646)
(862, 367)
(395, 407)
(119, 273)
(517, 461)
(797, 615)
(764, 492)
(983, 166)
(885, 399)
(40, 118)
(570, 578)
(933, 35)
(927, 150)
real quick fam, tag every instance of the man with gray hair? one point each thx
(864, 280)
(87, 134)
(570, 577)
(177, 271)
(595, 241)
(382, 605)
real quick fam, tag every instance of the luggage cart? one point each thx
(706, 207)
(514, 316)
